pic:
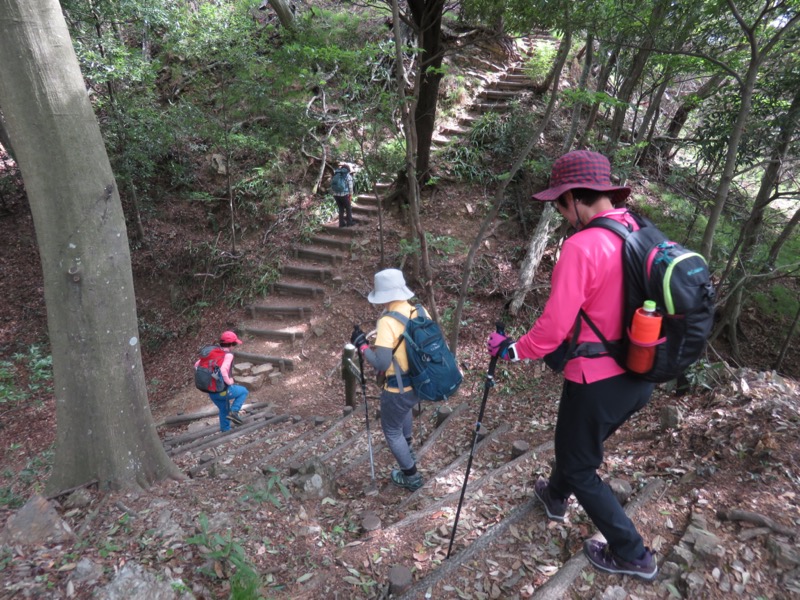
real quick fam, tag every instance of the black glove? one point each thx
(358, 338)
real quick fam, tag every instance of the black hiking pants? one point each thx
(587, 415)
(345, 210)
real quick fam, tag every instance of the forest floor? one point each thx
(736, 448)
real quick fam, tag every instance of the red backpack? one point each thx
(207, 375)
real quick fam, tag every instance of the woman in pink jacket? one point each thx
(598, 395)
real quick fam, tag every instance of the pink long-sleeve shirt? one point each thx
(588, 275)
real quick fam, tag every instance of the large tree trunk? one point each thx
(105, 430)
(413, 184)
(427, 17)
(5, 141)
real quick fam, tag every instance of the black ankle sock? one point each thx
(410, 472)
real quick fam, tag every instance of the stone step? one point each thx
(337, 243)
(297, 312)
(321, 256)
(440, 140)
(315, 273)
(283, 364)
(273, 335)
(296, 289)
(383, 185)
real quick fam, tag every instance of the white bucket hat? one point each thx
(390, 285)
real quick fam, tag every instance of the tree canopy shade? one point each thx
(105, 430)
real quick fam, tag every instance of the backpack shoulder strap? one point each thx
(605, 223)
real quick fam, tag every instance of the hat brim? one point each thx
(615, 192)
(384, 296)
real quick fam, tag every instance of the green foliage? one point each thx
(778, 301)
(39, 371)
(540, 63)
(29, 480)
(245, 582)
(266, 491)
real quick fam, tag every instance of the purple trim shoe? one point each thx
(603, 559)
(555, 509)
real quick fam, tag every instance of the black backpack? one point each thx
(677, 279)
(432, 368)
(207, 375)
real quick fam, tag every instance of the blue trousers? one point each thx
(232, 399)
(587, 416)
(396, 423)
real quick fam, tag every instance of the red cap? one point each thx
(228, 337)
(582, 169)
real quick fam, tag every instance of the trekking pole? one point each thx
(486, 387)
(372, 489)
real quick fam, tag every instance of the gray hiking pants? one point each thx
(396, 424)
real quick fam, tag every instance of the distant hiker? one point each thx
(230, 400)
(396, 401)
(598, 395)
(342, 190)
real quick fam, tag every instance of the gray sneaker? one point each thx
(410, 482)
(234, 418)
(603, 559)
(555, 509)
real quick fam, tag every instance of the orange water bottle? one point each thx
(644, 333)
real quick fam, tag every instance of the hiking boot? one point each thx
(410, 482)
(555, 509)
(234, 418)
(604, 559)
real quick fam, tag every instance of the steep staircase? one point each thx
(493, 528)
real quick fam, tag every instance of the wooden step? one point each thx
(283, 364)
(295, 289)
(513, 85)
(367, 200)
(486, 107)
(336, 243)
(365, 210)
(298, 312)
(499, 95)
(321, 256)
(273, 335)
(315, 273)
(338, 231)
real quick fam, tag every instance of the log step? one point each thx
(367, 200)
(283, 364)
(296, 289)
(498, 95)
(485, 107)
(316, 273)
(273, 335)
(336, 243)
(337, 231)
(299, 312)
(319, 255)
(365, 210)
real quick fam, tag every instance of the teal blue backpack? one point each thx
(432, 368)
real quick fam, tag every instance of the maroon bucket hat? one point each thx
(582, 169)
